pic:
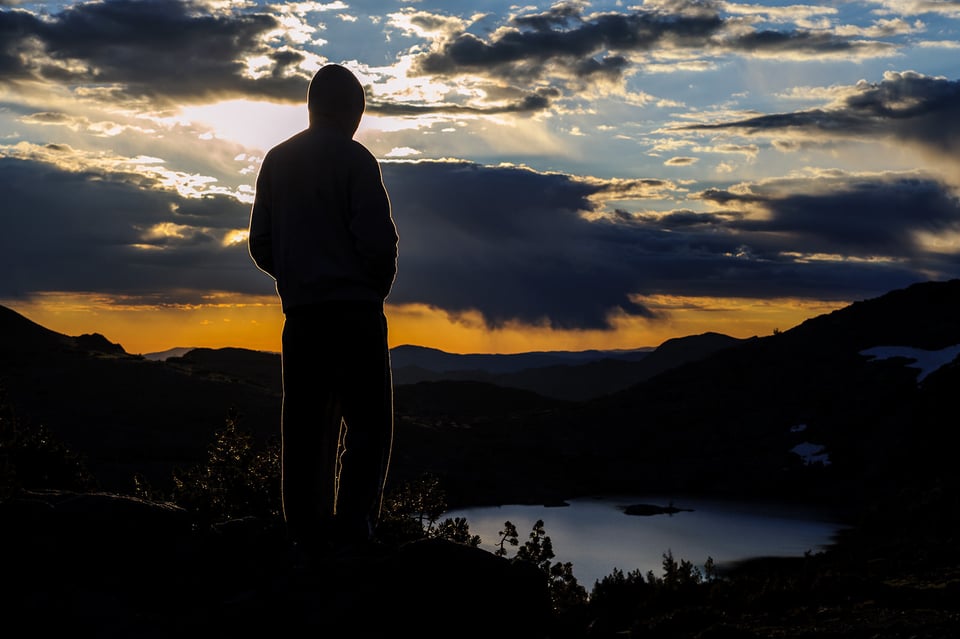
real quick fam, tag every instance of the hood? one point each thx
(336, 97)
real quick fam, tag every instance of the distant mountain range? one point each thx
(440, 361)
(559, 374)
(852, 406)
(569, 375)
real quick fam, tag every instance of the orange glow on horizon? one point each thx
(255, 323)
(223, 321)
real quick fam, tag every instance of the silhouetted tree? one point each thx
(508, 535)
(565, 591)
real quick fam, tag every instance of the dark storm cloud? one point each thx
(513, 244)
(160, 49)
(860, 216)
(78, 231)
(15, 30)
(685, 219)
(569, 40)
(907, 106)
(564, 40)
(507, 241)
(537, 101)
(803, 42)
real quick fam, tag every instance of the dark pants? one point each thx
(337, 423)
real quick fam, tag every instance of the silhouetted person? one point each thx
(321, 226)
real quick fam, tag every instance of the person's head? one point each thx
(336, 96)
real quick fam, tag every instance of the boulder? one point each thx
(109, 565)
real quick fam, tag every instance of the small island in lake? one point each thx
(645, 510)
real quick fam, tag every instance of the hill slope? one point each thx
(124, 413)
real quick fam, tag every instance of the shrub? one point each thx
(412, 511)
(236, 481)
(31, 457)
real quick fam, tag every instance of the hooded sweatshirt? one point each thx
(321, 222)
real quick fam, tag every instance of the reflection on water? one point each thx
(596, 536)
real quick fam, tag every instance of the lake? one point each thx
(596, 536)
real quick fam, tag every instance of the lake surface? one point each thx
(596, 536)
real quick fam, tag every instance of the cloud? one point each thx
(427, 25)
(89, 229)
(100, 128)
(530, 102)
(562, 42)
(164, 51)
(870, 216)
(805, 44)
(949, 8)
(506, 241)
(513, 243)
(905, 106)
(881, 28)
(155, 54)
(939, 44)
(749, 150)
(564, 58)
(790, 13)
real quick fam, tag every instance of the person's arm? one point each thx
(260, 238)
(371, 222)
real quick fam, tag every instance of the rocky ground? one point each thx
(104, 565)
(110, 566)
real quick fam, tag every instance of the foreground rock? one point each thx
(107, 565)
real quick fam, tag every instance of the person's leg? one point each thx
(368, 416)
(310, 426)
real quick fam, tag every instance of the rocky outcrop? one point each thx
(108, 565)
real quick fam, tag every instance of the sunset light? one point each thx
(252, 124)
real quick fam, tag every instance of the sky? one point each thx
(563, 175)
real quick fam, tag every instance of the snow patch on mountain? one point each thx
(926, 361)
(811, 454)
